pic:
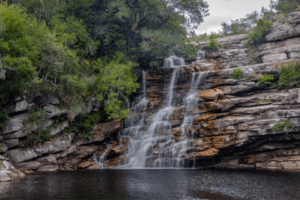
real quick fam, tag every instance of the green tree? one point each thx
(213, 44)
(115, 83)
(260, 31)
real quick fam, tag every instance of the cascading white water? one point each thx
(173, 61)
(200, 55)
(151, 140)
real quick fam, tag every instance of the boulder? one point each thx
(211, 94)
(286, 30)
(59, 128)
(52, 111)
(85, 151)
(24, 154)
(106, 130)
(21, 106)
(274, 57)
(47, 160)
(86, 164)
(4, 176)
(48, 168)
(29, 165)
(3, 147)
(70, 150)
(21, 155)
(12, 143)
(13, 125)
(207, 153)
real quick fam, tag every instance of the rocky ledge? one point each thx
(231, 127)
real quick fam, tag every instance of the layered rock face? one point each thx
(65, 152)
(197, 115)
(184, 115)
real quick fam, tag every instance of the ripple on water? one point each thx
(156, 184)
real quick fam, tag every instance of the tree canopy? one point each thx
(80, 49)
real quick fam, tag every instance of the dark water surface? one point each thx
(156, 184)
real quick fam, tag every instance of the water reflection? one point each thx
(156, 184)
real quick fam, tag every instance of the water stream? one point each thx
(151, 137)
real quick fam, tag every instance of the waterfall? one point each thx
(173, 61)
(152, 142)
(200, 55)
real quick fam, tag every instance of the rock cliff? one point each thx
(228, 123)
(189, 115)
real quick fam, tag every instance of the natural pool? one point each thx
(156, 184)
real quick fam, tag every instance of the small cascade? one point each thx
(200, 55)
(173, 61)
(152, 139)
(101, 159)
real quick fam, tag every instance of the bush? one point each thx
(213, 44)
(237, 74)
(289, 74)
(3, 118)
(287, 6)
(260, 31)
(265, 80)
(285, 126)
(117, 78)
(263, 101)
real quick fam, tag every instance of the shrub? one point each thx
(263, 101)
(285, 126)
(3, 118)
(213, 44)
(83, 124)
(266, 80)
(287, 6)
(251, 53)
(260, 31)
(237, 74)
(289, 74)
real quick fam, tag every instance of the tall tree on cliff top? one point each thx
(142, 29)
(146, 28)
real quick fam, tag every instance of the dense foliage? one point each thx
(260, 30)
(238, 73)
(266, 80)
(79, 49)
(289, 74)
(283, 126)
(285, 6)
(213, 44)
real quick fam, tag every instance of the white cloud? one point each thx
(225, 10)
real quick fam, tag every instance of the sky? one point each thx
(225, 10)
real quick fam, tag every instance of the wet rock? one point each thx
(29, 165)
(4, 176)
(85, 151)
(106, 130)
(47, 168)
(86, 164)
